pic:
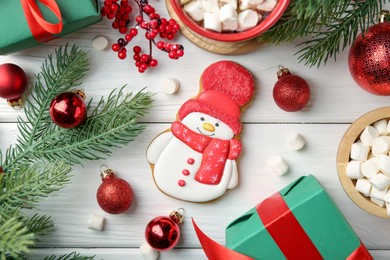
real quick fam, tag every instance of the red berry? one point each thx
(136, 57)
(123, 30)
(141, 70)
(160, 45)
(124, 3)
(107, 2)
(110, 15)
(153, 24)
(137, 49)
(175, 47)
(129, 9)
(133, 32)
(168, 46)
(138, 63)
(128, 37)
(143, 66)
(122, 55)
(144, 58)
(172, 22)
(105, 10)
(121, 23)
(147, 8)
(115, 47)
(153, 63)
(139, 19)
(114, 7)
(176, 27)
(115, 24)
(179, 53)
(170, 36)
(172, 55)
(168, 28)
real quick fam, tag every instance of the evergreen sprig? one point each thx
(40, 161)
(325, 27)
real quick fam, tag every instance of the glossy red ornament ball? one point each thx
(163, 233)
(114, 195)
(369, 60)
(13, 81)
(68, 110)
(291, 92)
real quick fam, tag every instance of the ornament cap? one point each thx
(81, 93)
(15, 103)
(106, 172)
(384, 16)
(177, 216)
(282, 71)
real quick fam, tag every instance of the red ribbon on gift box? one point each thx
(41, 29)
(269, 210)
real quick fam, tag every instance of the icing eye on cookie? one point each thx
(202, 118)
(216, 124)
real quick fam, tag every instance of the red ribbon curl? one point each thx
(41, 29)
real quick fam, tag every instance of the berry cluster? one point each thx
(154, 27)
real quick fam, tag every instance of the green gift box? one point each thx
(16, 33)
(299, 222)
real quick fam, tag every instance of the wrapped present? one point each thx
(299, 222)
(26, 23)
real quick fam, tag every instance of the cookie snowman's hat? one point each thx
(226, 87)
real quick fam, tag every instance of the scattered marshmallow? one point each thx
(359, 151)
(228, 17)
(381, 127)
(378, 193)
(363, 186)
(267, 5)
(384, 164)
(210, 6)
(233, 3)
(368, 135)
(380, 181)
(170, 86)
(247, 19)
(278, 165)
(195, 10)
(353, 170)
(100, 43)
(96, 222)
(370, 167)
(378, 202)
(296, 141)
(380, 145)
(249, 4)
(148, 252)
(212, 22)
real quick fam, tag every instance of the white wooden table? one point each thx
(336, 102)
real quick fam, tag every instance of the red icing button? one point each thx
(190, 161)
(181, 183)
(185, 172)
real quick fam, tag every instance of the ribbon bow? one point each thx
(41, 29)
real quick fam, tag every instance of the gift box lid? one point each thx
(15, 33)
(316, 213)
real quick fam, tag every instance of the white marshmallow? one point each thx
(212, 22)
(267, 5)
(363, 186)
(210, 6)
(247, 19)
(278, 165)
(386, 198)
(380, 145)
(170, 86)
(148, 252)
(353, 170)
(233, 3)
(370, 167)
(195, 10)
(377, 193)
(249, 4)
(359, 151)
(96, 222)
(388, 208)
(380, 181)
(384, 163)
(228, 17)
(380, 203)
(368, 135)
(381, 127)
(99, 43)
(296, 141)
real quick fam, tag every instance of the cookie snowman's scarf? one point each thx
(214, 151)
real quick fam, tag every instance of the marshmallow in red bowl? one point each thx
(229, 20)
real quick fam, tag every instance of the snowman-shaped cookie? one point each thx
(195, 160)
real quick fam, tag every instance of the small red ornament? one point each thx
(369, 58)
(13, 82)
(291, 92)
(162, 233)
(68, 109)
(114, 195)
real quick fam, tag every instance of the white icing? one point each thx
(170, 157)
(221, 130)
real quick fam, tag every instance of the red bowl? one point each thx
(264, 25)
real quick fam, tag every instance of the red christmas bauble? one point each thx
(68, 110)
(13, 81)
(114, 195)
(369, 60)
(163, 233)
(291, 92)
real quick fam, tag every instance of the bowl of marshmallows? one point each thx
(363, 162)
(229, 20)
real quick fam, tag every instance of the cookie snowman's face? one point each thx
(207, 125)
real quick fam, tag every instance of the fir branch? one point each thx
(331, 26)
(71, 256)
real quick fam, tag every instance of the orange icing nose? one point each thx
(208, 127)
